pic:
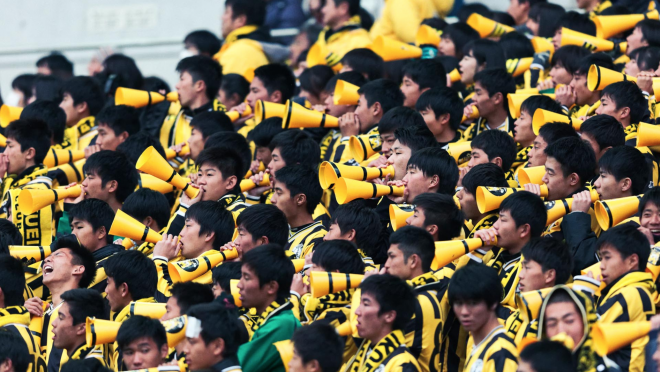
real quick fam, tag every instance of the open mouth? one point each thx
(48, 269)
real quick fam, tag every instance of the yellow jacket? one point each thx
(443, 7)
(401, 19)
(240, 55)
(350, 36)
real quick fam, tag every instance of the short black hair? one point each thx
(188, 294)
(84, 303)
(58, 65)
(353, 6)
(627, 162)
(392, 294)
(415, 137)
(426, 73)
(488, 174)
(14, 348)
(120, 70)
(205, 41)
(212, 217)
(277, 77)
(296, 147)
(120, 119)
(551, 254)
(516, 45)
(526, 208)
(384, 91)
(575, 156)
(496, 80)
(219, 322)
(548, 356)
(24, 83)
(135, 145)
(265, 131)
(234, 142)
(338, 255)
(577, 22)
(546, 15)
(436, 161)
(436, 23)
(365, 61)
(48, 88)
(497, 144)
(9, 235)
(475, 283)
(650, 196)
(145, 203)
(253, 10)
(50, 113)
(442, 100)
(319, 342)
(399, 117)
(301, 180)
(441, 210)
(647, 57)
(265, 220)
(650, 31)
(460, 33)
(223, 274)
(84, 89)
(138, 326)
(356, 215)
(113, 166)
(599, 59)
(235, 84)
(415, 240)
(30, 133)
(533, 103)
(626, 240)
(84, 365)
(552, 132)
(352, 77)
(314, 79)
(203, 68)
(80, 256)
(225, 159)
(134, 269)
(486, 51)
(12, 280)
(628, 94)
(270, 264)
(96, 212)
(569, 57)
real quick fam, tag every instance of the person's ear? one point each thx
(632, 261)
(123, 290)
(217, 347)
(434, 181)
(276, 96)
(313, 365)
(199, 86)
(272, 287)
(164, 351)
(432, 229)
(30, 153)
(497, 98)
(376, 109)
(573, 179)
(524, 230)
(112, 185)
(424, 90)
(209, 236)
(497, 161)
(344, 8)
(415, 261)
(351, 234)
(101, 233)
(148, 221)
(264, 240)
(78, 270)
(240, 20)
(301, 199)
(626, 184)
(123, 136)
(80, 329)
(7, 366)
(389, 317)
(444, 119)
(550, 276)
(81, 107)
(625, 112)
(231, 182)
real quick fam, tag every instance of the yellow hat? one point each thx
(28, 252)
(399, 214)
(363, 146)
(394, 50)
(346, 93)
(140, 98)
(448, 251)
(533, 175)
(460, 151)
(347, 190)
(266, 110)
(330, 172)
(127, 226)
(610, 337)
(58, 157)
(9, 114)
(608, 26)
(570, 37)
(32, 200)
(297, 116)
(323, 283)
(611, 212)
(153, 163)
(490, 198)
(487, 27)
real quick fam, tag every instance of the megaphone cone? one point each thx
(460, 151)
(594, 270)
(235, 115)
(148, 309)
(648, 135)
(363, 146)
(261, 168)
(187, 270)
(610, 337)
(315, 55)
(542, 44)
(448, 251)
(570, 37)
(427, 35)
(9, 114)
(399, 214)
(344, 329)
(518, 66)
(100, 332)
(330, 172)
(454, 76)
(249, 74)
(285, 349)
(148, 181)
(247, 185)
(347, 190)
(490, 198)
(346, 93)
(474, 115)
(608, 26)
(533, 175)
(542, 117)
(393, 50)
(29, 252)
(529, 303)
(298, 264)
(296, 116)
(128, 227)
(140, 98)
(235, 293)
(3, 141)
(30, 201)
(171, 154)
(599, 77)
(557, 209)
(611, 212)
(487, 27)
(323, 283)
(153, 163)
(57, 157)
(266, 110)
(175, 330)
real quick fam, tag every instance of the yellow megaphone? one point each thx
(266, 110)
(128, 227)
(542, 117)
(187, 270)
(653, 264)
(100, 332)
(648, 135)
(297, 116)
(570, 37)
(394, 50)
(473, 115)
(427, 35)
(30, 252)
(490, 198)
(262, 168)
(30, 201)
(175, 329)
(516, 100)
(608, 26)
(611, 212)
(148, 309)
(285, 349)
(235, 292)
(323, 283)
(346, 93)
(153, 163)
(235, 115)
(399, 214)
(448, 251)
(9, 114)
(454, 75)
(487, 27)
(247, 185)
(315, 55)
(141, 98)
(610, 337)
(171, 154)
(347, 190)
(599, 77)
(344, 329)
(248, 74)
(518, 66)
(3, 141)
(533, 175)
(57, 157)
(557, 209)
(529, 303)
(460, 151)
(364, 146)
(330, 172)
(147, 181)
(542, 44)
(298, 264)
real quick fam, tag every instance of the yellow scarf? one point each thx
(362, 362)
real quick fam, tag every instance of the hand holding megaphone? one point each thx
(187, 200)
(75, 199)
(169, 247)
(240, 113)
(488, 236)
(565, 95)
(349, 125)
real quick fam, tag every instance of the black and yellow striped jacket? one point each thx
(16, 319)
(496, 353)
(303, 239)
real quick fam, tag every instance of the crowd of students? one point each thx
(405, 195)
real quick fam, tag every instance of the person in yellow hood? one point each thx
(401, 19)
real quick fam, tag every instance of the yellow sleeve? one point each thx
(401, 19)
(241, 56)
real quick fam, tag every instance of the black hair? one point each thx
(96, 212)
(648, 57)
(155, 84)
(223, 274)
(577, 22)
(650, 196)
(84, 303)
(301, 180)
(569, 57)
(526, 208)
(546, 15)
(12, 280)
(503, 18)
(650, 31)
(265, 220)
(384, 91)
(365, 61)
(84, 365)
(226, 160)
(461, 34)
(253, 10)
(426, 73)
(352, 77)
(79, 256)
(628, 94)
(203, 68)
(488, 174)
(212, 217)
(265, 131)
(575, 156)
(436, 161)
(58, 65)
(50, 113)
(548, 356)
(551, 254)
(211, 122)
(48, 88)
(353, 6)
(120, 119)
(356, 215)
(235, 84)
(415, 137)
(145, 203)
(605, 130)
(599, 59)
(468, 9)
(319, 342)
(496, 144)
(626, 240)
(189, 294)
(277, 77)
(84, 89)
(627, 162)
(616, 10)
(14, 348)
(436, 23)
(30, 133)
(400, 117)
(338, 255)
(135, 145)
(442, 100)
(392, 294)
(113, 165)
(120, 70)
(516, 45)
(475, 283)
(219, 322)
(296, 147)
(486, 51)
(138, 326)
(314, 79)
(441, 210)
(533, 103)
(24, 83)
(9, 235)
(552, 132)
(231, 142)
(205, 41)
(270, 264)
(415, 240)
(496, 80)
(136, 270)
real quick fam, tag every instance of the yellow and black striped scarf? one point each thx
(368, 358)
